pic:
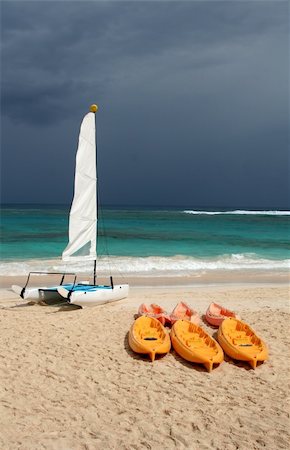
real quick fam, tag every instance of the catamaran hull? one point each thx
(38, 294)
(97, 296)
(32, 294)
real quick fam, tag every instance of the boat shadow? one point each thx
(59, 307)
(235, 362)
(21, 305)
(66, 307)
(188, 364)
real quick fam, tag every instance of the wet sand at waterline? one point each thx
(192, 279)
(69, 381)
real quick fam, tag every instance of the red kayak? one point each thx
(155, 311)
(184, 312)
(215, 314)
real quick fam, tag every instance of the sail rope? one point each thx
(113, 268)
(101, 223)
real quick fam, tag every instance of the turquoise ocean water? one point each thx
(150, 241)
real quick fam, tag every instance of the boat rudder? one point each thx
(63, 292)
(17, 289)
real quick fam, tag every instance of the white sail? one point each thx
(83, 213)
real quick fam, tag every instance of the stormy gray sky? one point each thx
(193, 100)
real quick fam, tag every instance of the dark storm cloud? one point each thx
(44, 60)
(192, 95)
(53, 51)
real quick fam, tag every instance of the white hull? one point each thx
(98, 296)
(32, 294)
(38, 294)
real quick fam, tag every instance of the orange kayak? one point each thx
(192, 343)
(215, 314)
(240, 342)
(148, 336)
(183, 312)
(153, 311)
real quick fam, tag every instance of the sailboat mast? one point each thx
(95, 274)
(94, 109)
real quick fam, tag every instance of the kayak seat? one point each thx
(242, 342)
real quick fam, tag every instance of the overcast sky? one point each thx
(193, 100)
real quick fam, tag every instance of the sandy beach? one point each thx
(69, 381)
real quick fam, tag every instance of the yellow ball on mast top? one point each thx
(94, 108)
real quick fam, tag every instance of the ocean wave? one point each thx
(150, 266)
(239, 212)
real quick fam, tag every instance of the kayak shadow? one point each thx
(188, 364)
(237, 363)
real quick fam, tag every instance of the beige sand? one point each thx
(70, 382)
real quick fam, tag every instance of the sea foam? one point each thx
(148, 266)
(239, 212)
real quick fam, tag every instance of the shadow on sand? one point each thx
(60, 306)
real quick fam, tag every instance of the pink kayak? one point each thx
(184, 312)
(215, 314)
(154, 311)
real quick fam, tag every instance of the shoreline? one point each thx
(215, 278)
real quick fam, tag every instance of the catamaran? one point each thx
(82, 244)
